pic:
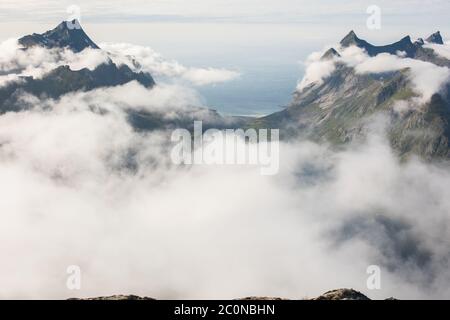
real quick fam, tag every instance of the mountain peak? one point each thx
(419, 42)
(435, 38)
(67, 34)
(352, 34)
(330, 54)
(406, 39)
(350, 39)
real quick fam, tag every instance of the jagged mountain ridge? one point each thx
(404, 45)
(63, 80)
(412, 50)
(435, 38)
(67, 34)
(339, 109)
(334, 111)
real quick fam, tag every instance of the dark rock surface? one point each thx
(338, 109)
(339, 294)
(435, 38)
(342, 294)
(68, 34)
(404, 45)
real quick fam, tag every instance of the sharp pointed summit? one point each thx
(330, 54)
(435, 38)
(67, 34)
(350, 39)
(63, 79)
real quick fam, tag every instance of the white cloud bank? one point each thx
(426, 78)
(81, 187)
(145, 59)
(317, 70)
(442, 50)
(38, 61)
(234, 10)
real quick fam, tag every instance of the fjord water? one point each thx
(258, 91)
(268, 75)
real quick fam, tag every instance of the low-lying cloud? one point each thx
(426, 78)
(442, 50)
(81, 187)
(145, 59)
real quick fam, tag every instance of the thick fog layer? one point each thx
(80, 187)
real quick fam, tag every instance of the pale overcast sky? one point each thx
(318, 19)
(264, 39)
(237, 10)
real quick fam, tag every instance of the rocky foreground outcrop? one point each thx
(339, 294)
(342, 294)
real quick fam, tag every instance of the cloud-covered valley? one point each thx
(80, 186)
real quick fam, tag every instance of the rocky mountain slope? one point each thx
(340, 108)
(63, 80)
(337, 109)
(67, 34)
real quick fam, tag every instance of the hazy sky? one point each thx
(70, 198)
(218, 10)
(264, 39)
(229, 21)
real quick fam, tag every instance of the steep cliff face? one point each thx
(62, 79)
(339, 294)
(341, 107)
